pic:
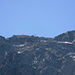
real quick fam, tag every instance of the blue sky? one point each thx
(46, 18)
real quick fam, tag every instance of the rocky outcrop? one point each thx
(68, 36)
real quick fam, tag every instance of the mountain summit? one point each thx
(68, 36)
(33, 55)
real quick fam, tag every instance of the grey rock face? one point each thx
(31, 55)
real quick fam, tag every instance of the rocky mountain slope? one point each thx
(32, 55)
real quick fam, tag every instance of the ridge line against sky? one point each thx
(47, 18)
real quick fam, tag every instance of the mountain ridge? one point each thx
(33, 55)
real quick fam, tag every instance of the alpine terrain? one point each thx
(33, 55)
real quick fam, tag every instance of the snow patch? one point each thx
(18, 52)
(65, 42)
(21, 45)
(72, 55)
